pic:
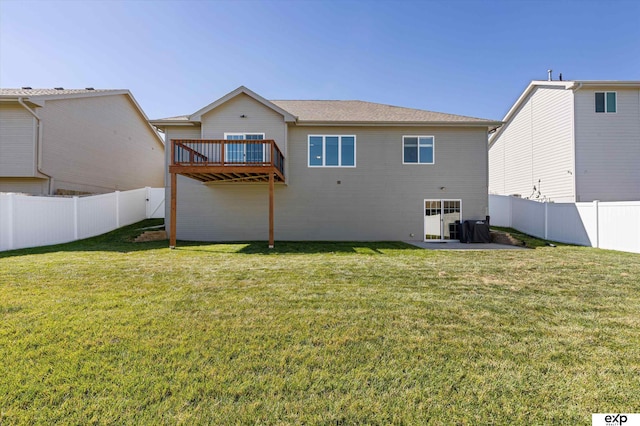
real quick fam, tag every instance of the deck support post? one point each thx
(172, 225)
(271, 189)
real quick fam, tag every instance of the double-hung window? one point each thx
(244, 152)
(332, 151)
(606, 102)
(418, 150)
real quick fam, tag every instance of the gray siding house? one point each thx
(68, 141)
(246, 168)
(572, 140)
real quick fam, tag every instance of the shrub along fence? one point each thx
(27, 221)
(608, 225)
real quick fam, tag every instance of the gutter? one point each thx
(38, 144)
(487, 124)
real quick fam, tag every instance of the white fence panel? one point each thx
(589, 217)
(96, 215)
(620, 226)
(564, 224)
(132, 206)
(27, 221)
(610, 225)
(500, 208)
(155, 205)
(44, 220)
(528, 216)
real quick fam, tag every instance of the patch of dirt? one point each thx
(151, 236)
(500, 237)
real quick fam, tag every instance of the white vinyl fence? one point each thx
(608, 225)
(27, 221)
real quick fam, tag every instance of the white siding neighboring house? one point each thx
(350, 170)
(574, 141)
(56, 141)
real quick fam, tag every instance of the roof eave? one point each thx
(25, 99)
(487, 124)
(91, 94)
(165, 123)
(609, 83)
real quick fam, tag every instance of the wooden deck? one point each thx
(209, 160)
(216, 160)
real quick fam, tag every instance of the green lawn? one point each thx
(107, 331)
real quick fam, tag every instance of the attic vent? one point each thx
(59, 88)
(90, 88)
(27, 88)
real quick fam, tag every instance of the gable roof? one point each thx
(336, 112)
(196, 116)
(574, 85)
(38, 97)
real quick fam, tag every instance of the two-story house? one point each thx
(245, 168)
(74, 141)
(570, 141)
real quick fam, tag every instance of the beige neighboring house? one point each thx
(74, 141)
(245, 168)
(574, 141)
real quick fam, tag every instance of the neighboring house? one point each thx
(325, 170)
(57, 141)
(570, 141)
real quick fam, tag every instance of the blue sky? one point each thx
(462, 57)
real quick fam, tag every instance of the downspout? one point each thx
(575, 88)
(38, 144)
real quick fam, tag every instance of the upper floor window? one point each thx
(605, 101)
(418, 150)
(332, 151)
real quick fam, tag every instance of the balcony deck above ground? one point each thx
(211, 160)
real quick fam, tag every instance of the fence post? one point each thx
(597, 216)
(147, 201)
(75, 218)
(546, 220)
(12, 222)
(117, 209)
(8, 226)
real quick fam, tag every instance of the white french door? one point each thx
(439, 219)
(243, 152)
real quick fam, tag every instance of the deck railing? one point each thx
(222, 152)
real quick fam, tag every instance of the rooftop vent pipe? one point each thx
(550, 77)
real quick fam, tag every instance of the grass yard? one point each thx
(107, 331)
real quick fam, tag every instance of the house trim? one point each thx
(486, 124)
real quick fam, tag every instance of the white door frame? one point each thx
(424, 230)
(244, 145)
